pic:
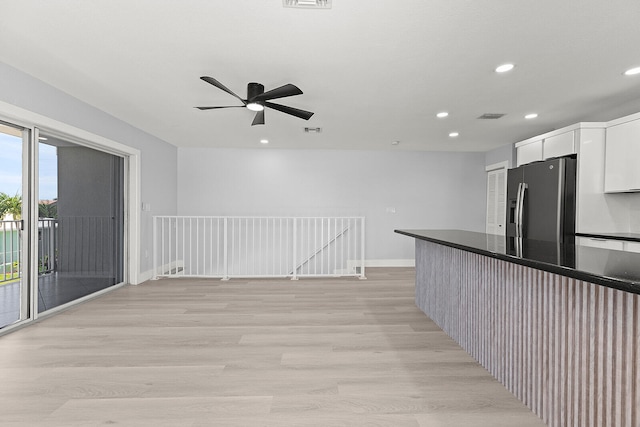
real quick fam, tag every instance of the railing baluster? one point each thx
(225, 259)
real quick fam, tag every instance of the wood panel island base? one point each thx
(557, 324)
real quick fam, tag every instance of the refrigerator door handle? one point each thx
(523, 192)
(517, 212)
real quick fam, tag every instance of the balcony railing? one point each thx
(73, 245)
(228, 247)
(10, 250)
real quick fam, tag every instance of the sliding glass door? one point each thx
(62, 222)
(81, 221)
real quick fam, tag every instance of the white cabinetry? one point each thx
(632, 246)
(559, 145)
(553, 144)
(622, 170)
(619, 245)
(597, 242)
(530, 152)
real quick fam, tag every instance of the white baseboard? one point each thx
(351, 267)
(143, 276)
(353, 264)
(390, 262)
(149, 274)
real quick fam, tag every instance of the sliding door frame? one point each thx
(37, 123)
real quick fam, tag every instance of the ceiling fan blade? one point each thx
(220, 86)
(258, 119)
(214, 108)
(306, 115)
(279, 92)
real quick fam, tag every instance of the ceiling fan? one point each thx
(258, 99)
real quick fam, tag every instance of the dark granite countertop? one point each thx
(630, 237)
(606, 267)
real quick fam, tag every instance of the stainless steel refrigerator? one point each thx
(541, 200)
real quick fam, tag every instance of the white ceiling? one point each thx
(372, 71)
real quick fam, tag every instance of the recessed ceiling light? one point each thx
(442, 114)
(308, 4)
(453, 134)
(395, 142)
(264, 141)
(632, 71)
(504, 68)
(531, 116)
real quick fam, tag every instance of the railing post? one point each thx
(225, 267)
(295, 249)
(155, 249)
(362, 276)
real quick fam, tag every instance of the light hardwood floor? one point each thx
(334, 352)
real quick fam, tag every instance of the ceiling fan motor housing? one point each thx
(253, 90)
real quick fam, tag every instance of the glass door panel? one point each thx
(81, 221)
(13, 294)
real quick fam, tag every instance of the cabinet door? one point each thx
(600, 243)
(632, 246)
(529, 153)
(621, 171)
(559, 145)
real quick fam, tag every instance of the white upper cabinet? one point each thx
(553, 144)
(559, 145)
(622, 157)
(530, 152)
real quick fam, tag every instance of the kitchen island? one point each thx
(557, 323)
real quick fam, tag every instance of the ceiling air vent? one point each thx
(490, 116)
(308, 4)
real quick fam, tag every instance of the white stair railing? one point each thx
(234, 247)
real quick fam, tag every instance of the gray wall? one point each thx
(501, 154)
(426, 189)
(158, 158)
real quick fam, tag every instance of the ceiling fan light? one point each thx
(632, 71)
(254, 106)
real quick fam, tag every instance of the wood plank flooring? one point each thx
(185, 352)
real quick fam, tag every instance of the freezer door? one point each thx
(543, 200)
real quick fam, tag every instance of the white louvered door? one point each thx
(496, 201)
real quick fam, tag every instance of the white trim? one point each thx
(500, 165)
(145, 276)
(132, 176)
(29, 119)
(624, 119)
(410, 262)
